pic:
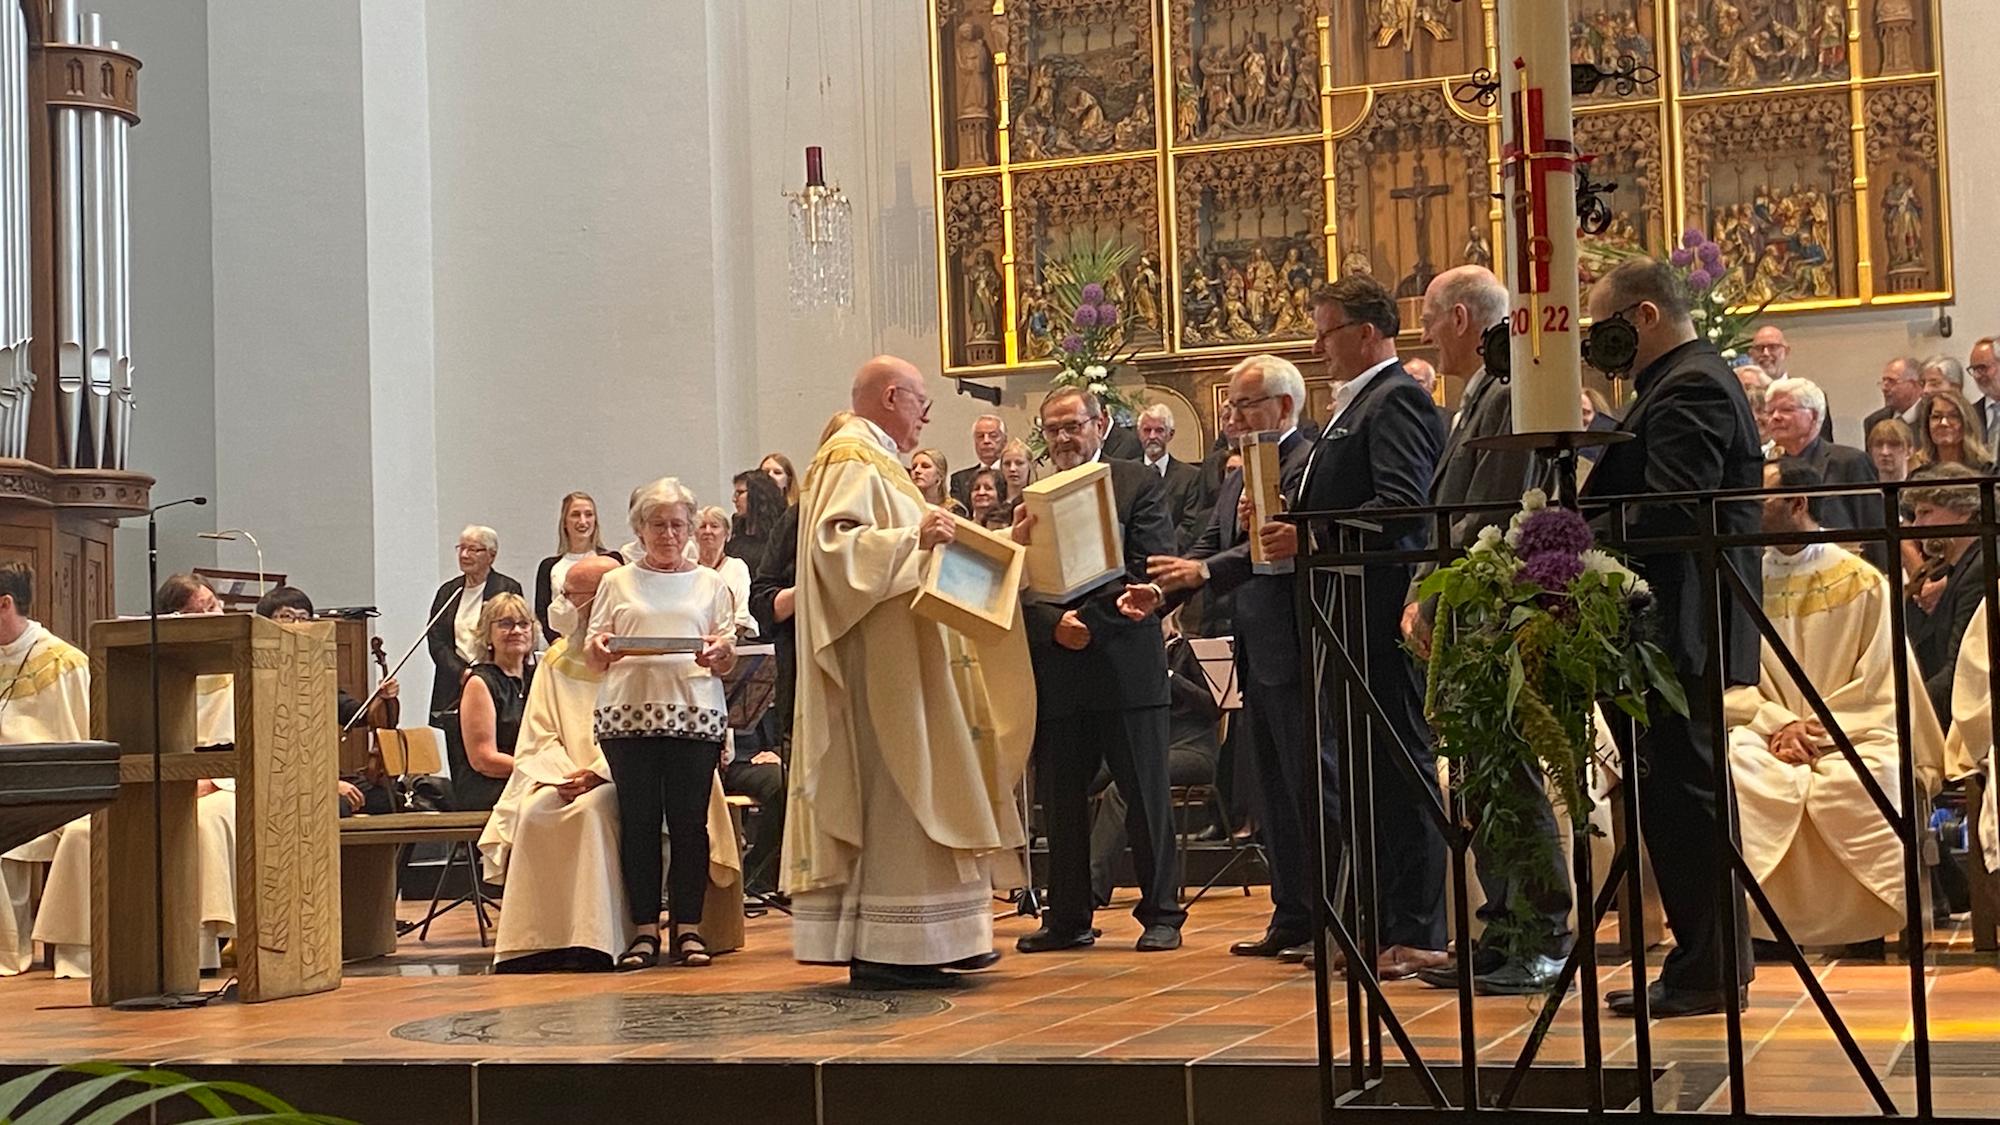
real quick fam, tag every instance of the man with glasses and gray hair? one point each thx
(454, 640)
(1902, 395)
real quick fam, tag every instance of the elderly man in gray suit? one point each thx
(1460, 305)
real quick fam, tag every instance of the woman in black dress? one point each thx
(489, 712)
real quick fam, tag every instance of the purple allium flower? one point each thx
(1092, 294)
(1710, 255)
(1552, 570)
(1553, 531)
(1107, 315)
(1072, 343)
(1086, 316)
(1682, 257)
(1693, 237)
(1700, 280)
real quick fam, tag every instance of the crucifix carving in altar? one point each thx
(1420, 192)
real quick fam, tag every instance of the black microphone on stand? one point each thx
(162, 1000)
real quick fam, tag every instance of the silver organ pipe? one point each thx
(97, 239)
(121, 291)
(16, 287)
(66, 141)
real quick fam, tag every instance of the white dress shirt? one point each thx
(1347, 391)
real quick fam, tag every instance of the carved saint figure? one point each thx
(1406, 18)
(1895, 32)
(1255, 67)
(1218, 95)
(1086, 117)
(1357, 264)
(1265, 294)
(1832, 39)
(1198, 305)
(1478, 250)
(1280, 109)
(1187, 102)
(1903, 222)
(974, 72)
(982, 304)
(1297, 274)
(1035, 317)
(1146, 291)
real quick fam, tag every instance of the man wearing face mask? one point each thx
(1101, 681)
(1692, 431)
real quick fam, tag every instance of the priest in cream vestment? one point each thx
(1819, 847)
(1969, 748)
(44, 697)
(903, 776)
(553, 837)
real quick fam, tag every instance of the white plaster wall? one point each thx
(288, 211)
(173, 306)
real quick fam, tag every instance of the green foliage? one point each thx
(1514, 672)
(70, 1105)
(1093, 363)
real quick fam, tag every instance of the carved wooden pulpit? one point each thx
(287, 835)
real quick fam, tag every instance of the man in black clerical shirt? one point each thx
(1692, 431)
(1101, 685)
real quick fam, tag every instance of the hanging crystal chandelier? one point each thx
(822, 257)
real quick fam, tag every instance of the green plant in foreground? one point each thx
(70, 1105)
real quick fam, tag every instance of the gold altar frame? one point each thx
(1667, 101)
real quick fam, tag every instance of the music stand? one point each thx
(750, 687)
(1217, 658)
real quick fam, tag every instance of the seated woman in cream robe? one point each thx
(63, 923)
(1831, 864)
(552, 840)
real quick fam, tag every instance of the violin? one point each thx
(384, 713)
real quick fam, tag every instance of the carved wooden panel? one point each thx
(969, 37)
(1087, 204)
(1380, 41)
(1081, 77)
(1771, 180)
(1747, 44)
(1609, 33)
(1625, 151)
(1897, 38)
(1906, 213)
(974, 243)
(1413, 193)
(1251, 223)
(1243, 68)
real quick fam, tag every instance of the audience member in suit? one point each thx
(1183, 481)
(1692, 431)
(1265, 394)
(454, 639)
(1460, 305)
(1121, 444)
(1773, 355)
(1427, 378)
(1101, 698)
(1795, 406)
(1380, 450)
(989, 438)
(578, 537)
(1948, 435)
(1902, 386)
(1949, 585)
(1985, 369)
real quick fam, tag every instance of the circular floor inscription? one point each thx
(624, 1018)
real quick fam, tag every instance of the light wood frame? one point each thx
(1263, 475)
(979, 622)
(1045, 567)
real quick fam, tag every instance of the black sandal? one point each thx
(691, 950)
(643, 953)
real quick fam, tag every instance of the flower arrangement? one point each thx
(1534, 626)
(1089, 352)
(1727, 326)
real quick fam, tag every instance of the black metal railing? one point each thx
(1337, 551)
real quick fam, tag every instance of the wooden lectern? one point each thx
(287, 836)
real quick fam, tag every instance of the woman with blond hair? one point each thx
(1949, 433)
(662, 716)
(577, 538)
(930, 473)
(489, 711)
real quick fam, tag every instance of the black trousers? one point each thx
(670, 778)
(766, 784)
(1291, 789)
(1548, 904)
(1677, 804)
(1133, 746)
(1186, 765)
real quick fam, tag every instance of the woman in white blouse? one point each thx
(711, 536)
(661, 719)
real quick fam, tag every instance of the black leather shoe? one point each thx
(1295, 954)
(1665, 1003)
(1159, 938)
(1046, 940)
(874, 975)
(1532, 976)
(1267, 946)
(975, 962)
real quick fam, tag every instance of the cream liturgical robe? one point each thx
(559, 862)
(1830, 862)
(64, 920)
(44, 697)
(1969, 749)
(903, 774)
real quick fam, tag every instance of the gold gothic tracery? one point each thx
(1245, 149)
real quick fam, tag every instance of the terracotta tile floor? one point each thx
(1194, 1005)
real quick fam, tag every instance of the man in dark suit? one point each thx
(1692, 431)
(1794, 407)
(453, 632)
(1460, 305)
(1121, 444)
(1183, 481)
(1942, 601)
(1265, 396)
(1902, 397)
(1379, 450)
(1102, 696)
(989, 437)
(1427, 377)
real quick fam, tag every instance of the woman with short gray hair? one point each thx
(454, 638)
(661, 714)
